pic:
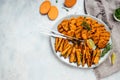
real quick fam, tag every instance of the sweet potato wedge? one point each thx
(72, 55)
(78, 53)
(69, 52)
(56, 43)
(61, 45)
(64, 52)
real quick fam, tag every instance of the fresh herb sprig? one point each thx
(86, 25)
(106, 49)
(56, 1)
(117, 13)
(65, 9)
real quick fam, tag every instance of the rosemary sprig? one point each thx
(86, 25)
(65, 9)
(106, 49)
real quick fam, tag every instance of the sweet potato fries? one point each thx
(92, 32)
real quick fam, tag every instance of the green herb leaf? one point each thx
(65, 9)
(56, 1)
(86, 25)
(85, 17)
(106, 49)
(117, 13)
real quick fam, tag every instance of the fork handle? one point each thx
(53, 35)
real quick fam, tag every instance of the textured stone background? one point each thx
(25, 54)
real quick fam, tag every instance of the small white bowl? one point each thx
(115, 17)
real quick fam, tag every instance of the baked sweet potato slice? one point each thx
(45, 7)
(69, 3)
(53, 13)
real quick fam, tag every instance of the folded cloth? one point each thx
(104, 9)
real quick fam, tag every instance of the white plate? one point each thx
(52, 41)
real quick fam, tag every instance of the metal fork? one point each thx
(54, 33)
